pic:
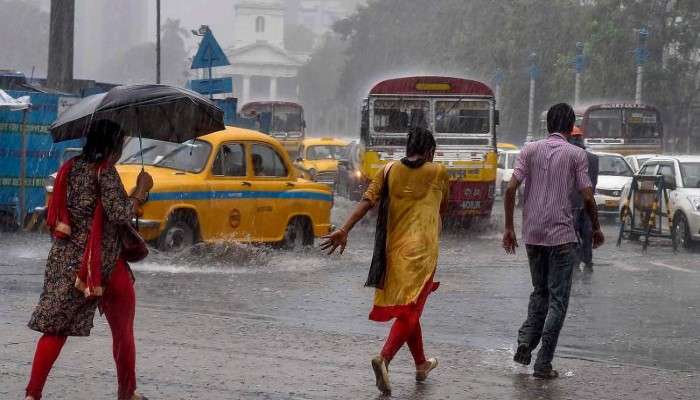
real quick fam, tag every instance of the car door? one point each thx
(272, 179)
(232, 207)
(501, 165)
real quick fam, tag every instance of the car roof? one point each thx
(603, 153)
(233, 133)
(642, 155)
(324, 140)
(679, 158)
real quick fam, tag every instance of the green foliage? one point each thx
(475, 38)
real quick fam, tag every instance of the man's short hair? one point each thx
(561, 118)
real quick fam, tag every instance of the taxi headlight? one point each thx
(695, 202)
(358, 174)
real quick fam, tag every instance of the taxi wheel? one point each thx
(681, 232)
(298, 235)
(176, 237)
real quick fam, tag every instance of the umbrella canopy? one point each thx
(159, 112)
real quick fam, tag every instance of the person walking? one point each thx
(416, 190)
(554, 169)
(84, 269)
(582, 221)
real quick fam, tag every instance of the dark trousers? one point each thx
(551, 269)
(584, 229)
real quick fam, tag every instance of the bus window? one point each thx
(287, 118)
(642, 124)
(604, 124)
(396, 116)
(462, 116)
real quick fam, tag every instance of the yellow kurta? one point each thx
(413, 229)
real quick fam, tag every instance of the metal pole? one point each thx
(211, 83)
(23, 171)
(577, 90)
(498, 93)
(158, 41)
(638, 91)
(531, 111)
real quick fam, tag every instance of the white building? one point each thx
(260, 66)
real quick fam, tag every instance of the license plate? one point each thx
(471, 204)
(612, 203)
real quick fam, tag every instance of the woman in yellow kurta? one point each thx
(417, 191)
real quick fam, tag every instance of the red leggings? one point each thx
(406, 329)
(118, 304)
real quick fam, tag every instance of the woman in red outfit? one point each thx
(84, 269)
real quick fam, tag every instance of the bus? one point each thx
(617, 128)
(282, 120)
(462, 115)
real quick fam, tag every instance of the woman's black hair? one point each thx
(420, 142)
(561, 118)
(104, 139)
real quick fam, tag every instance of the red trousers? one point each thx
(406, 329)
(118, 304)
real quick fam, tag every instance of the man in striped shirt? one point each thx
(552, 169)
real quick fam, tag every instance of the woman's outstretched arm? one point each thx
(339, 238)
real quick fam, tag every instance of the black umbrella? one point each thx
(157, 112)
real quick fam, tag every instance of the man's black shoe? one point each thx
(546, 374)
(523, 355)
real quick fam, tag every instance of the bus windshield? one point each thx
(604, 124)
(642, 124)
(287, 118)
(396, 116)
(461, 116)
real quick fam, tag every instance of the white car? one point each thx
(613, 174)
(682, 176)
(506, 164)
(636, 161)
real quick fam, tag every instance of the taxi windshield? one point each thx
(325, 152)
(190, 156)
(153, 151)
(396, 116)
(462, 116)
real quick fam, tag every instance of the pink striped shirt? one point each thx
(551, 169)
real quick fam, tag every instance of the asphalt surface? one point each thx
(238, 322)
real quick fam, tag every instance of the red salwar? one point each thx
(406, 328)
(119, 306)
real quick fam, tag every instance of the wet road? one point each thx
(263, 324)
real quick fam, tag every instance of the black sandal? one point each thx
(523, 355)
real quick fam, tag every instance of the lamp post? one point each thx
(158, 41)
(579, 66)
(534, 74)
(641, 55)
(498, 79)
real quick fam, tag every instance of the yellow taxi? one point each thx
(506, 146)
(234, 184)
(318, 157)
